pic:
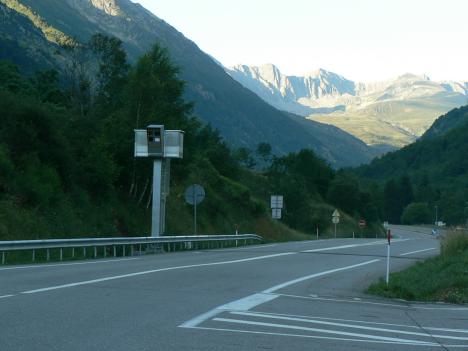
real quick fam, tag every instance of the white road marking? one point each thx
(413, 252)
(5, 296)
(316, 275)
(99, 280)
(67, 264)
(234, 249)
(378, 242)
(326, 337)
(350, 326)
(411, 306)
(254, 300)
(94, 281)
(324, 331)
(244, 304)
(464, 331)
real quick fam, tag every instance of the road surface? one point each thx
(292, 296)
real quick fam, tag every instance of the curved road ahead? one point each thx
(292, 296)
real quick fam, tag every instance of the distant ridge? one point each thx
(394, 112)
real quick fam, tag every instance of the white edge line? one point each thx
(298, 280)
(413, 252)
(94, 281)
(69, 264)
(5, 296)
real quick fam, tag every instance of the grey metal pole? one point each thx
(335, 230)
(156, 209)
(3, 257)
(194, 212)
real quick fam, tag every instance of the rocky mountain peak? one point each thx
(108, 6)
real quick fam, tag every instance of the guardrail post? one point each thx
(3, 257)
(48, 255)
(131, 250)
(105, 251)
(95, 252)
(123, 249)
(115, 253)
(34, 255)
(84, 251)
(73, 252)
(140, 250)
(61, 254)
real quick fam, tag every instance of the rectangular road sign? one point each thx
(276, 213)
(276, 201)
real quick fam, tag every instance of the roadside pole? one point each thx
(317, 232)
(389, 236)
(336, 219)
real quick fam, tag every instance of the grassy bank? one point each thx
(443, 278)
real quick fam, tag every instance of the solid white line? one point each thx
(5, 296)
(378, 242)
(234, 249)
(413, 252)
(324, 331)
(68, 264)
(350, 326)
(376, 303)
(99, 280)
(298, 280)
(325, 337)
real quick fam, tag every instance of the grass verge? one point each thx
(443, 278)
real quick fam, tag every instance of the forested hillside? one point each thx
(34, 33)
(67, 165)
(433, 172)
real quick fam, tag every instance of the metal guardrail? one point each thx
(170, 243)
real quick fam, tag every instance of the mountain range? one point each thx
(32, 34)
(393, 113)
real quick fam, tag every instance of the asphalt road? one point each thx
(292, 296)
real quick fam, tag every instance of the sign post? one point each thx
(362, 225)
(336, 219)
(389, 237)
(194, 195)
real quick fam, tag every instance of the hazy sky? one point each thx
(363, 40)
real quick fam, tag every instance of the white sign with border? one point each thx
(276, 201)
(276, 213)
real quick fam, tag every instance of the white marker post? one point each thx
(389, 237)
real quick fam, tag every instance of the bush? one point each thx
(454, 242)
